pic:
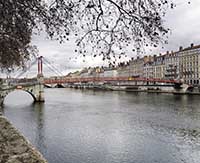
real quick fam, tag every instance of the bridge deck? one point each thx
(107, 79)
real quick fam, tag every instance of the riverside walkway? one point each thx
(14, 148)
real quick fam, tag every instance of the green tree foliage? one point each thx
(102, 26)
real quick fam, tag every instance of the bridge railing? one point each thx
(108, 79)
(23, 81)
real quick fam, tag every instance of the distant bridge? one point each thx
(119, 83)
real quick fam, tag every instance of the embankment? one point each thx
(14, 148)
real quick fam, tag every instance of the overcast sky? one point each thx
(184, 22)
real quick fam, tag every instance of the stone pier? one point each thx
(14, 148)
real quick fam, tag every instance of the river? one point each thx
(85, 126)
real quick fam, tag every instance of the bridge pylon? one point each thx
(40, 66)
(39, 89)
(39, 94)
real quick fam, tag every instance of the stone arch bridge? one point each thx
(34, 87)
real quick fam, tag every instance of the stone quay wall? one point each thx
(14, 148)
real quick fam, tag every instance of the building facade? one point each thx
(183, 64)
(190, 64)
(148, 70)
(159, 67)
(136, 67)
(172, 65)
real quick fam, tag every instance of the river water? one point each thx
(76, 126)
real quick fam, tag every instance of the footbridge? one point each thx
(125, 79)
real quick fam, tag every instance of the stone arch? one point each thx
(31, 93)
(10, 91)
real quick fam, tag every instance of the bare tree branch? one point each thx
(105, 27)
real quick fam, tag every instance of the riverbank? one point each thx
(14, 148)
(169, 89)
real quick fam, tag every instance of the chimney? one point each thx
(180, 48)
(154, 57)
(192, 45)
(167, 52)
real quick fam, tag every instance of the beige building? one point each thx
(148, 70)
(190, 64)
(137, 66)
(109, 72)
(123, 71)
(183, 64)
(172, 65)
(159, 67)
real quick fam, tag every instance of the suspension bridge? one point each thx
(34, 86)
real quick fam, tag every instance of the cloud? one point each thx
(183, 22)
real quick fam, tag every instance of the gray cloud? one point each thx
(183, 22)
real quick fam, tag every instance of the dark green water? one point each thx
(75, 126)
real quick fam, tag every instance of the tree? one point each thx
(103, 27)
(110, 25)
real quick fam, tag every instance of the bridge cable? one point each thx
(57, 70)
(26, 69)
(53, 68)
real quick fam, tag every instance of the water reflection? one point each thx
(38, 110)
(96, 126)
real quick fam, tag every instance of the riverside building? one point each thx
(183, 64)
(171, 65)
(123, 70)
(136, 67)
(148, 70)
(190, 64)
(159, 67)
